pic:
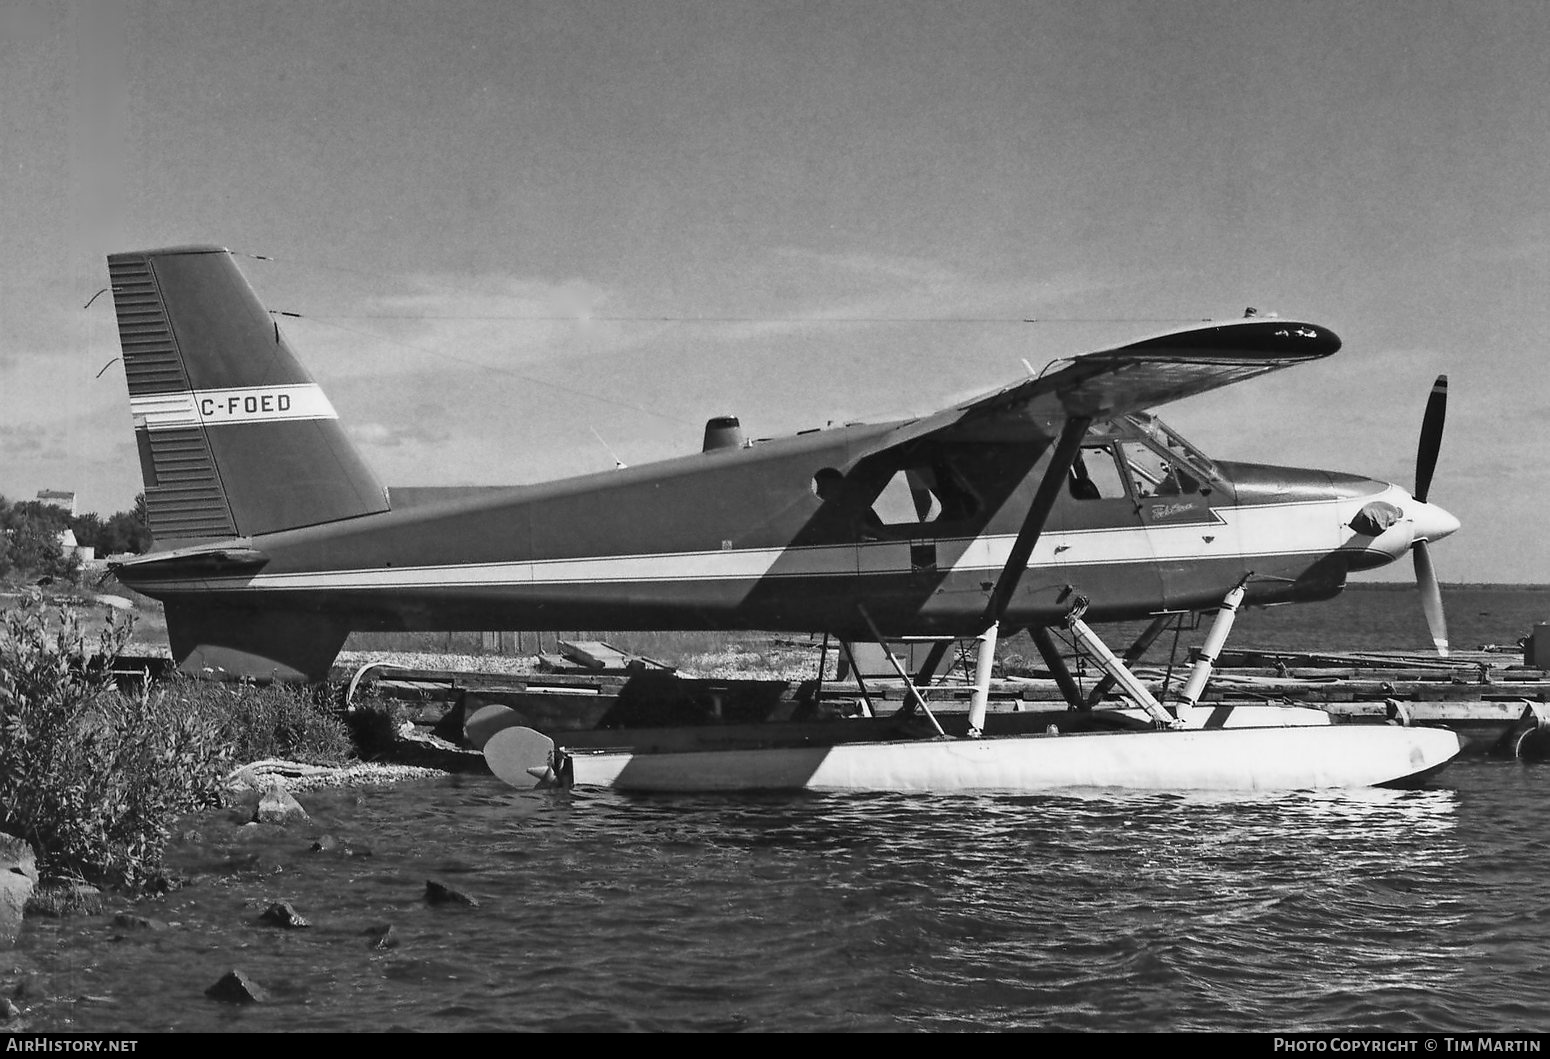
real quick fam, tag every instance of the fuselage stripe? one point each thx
(1300, 528)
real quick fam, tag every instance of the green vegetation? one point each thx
(30, 537)
(29, 541)
(93, 776)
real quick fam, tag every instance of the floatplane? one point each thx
(1057, 502)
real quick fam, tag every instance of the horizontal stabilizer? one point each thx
(234, 558)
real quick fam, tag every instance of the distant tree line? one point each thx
(30, 531)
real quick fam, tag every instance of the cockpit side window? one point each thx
(1152, 474)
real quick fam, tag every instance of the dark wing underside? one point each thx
(1125, 379)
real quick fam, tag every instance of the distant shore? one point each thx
(1480, 586)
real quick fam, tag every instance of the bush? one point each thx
(90, 776)
(94, 778)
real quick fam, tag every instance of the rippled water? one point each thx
(1377, 910)
(1384, 618)
(1380, 910)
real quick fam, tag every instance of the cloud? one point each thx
(20, 441)
(408, 432)
(472, 321)
(503, 320)
(796, 291)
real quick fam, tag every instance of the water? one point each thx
(1359, 910)
(1380, 618)
(1380, 910)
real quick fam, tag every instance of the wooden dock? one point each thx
(1499, 706)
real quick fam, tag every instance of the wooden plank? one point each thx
(594, 654)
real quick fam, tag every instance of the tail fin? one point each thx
(235, 437)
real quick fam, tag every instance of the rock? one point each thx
(283, 914)
(440, 894)
(8, 1010)
(16, 855)
(18, 878)
(241, 806)
(126, 921)
(237, 988)
(383, 936)
(278, 807)
(15, 891)
(31, 987)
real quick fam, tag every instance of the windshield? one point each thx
(1171, 441)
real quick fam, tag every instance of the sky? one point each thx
(528, 239)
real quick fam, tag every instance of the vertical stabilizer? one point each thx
(235, 437)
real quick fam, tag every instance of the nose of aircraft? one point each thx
(1431, 522)
(1399, 522)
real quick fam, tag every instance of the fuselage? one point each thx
(790, 534)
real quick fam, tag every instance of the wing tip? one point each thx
(1255, 339)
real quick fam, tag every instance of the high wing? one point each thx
(1060, 404)
(1128, 378)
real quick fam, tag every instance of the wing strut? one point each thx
(1038, 513)
(927, 671)
(1061, 459)
(1057, 667)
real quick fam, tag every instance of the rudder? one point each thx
(235, 436)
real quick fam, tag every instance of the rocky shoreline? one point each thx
(261, 793)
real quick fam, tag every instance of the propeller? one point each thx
(1425, 464)
(1431, 437)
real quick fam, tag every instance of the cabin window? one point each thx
(922, 494)
(1095, 475)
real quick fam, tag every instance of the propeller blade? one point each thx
(1431, 437)
(1431, 596)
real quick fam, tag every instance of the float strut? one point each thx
(983, 664)
(909, 685)
(855, 671)
(1132, 655)
(1127, 681)
(1214, 640)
